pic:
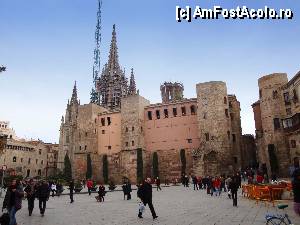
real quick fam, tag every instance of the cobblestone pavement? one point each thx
(174, 205)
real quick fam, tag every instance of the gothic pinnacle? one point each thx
(113, 60)
(74, 95)
(132, 85)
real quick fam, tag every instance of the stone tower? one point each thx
(171, 92)
(132, 132)
(112, 84)
(214, 129)
(272, 141)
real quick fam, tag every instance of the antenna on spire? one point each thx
(97, 64)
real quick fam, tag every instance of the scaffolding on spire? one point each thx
(96, 66)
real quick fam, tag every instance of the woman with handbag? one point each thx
(13, 200)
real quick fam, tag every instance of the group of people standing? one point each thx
(215, 185)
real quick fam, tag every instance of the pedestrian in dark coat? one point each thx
(296, 188)
(158, 184)
(13, 200)
(101, 193)
(128, 190)
(71, 188)
(195, 182)
(43, 193)
(30, 190)
(145, 194)
(124, 190)
(234, 186)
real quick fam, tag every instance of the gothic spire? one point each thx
(113, 60)
(132, 85)
(74, 99)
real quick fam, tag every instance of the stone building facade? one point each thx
(277, 122)
(6, 130)
(249, 151)
(29, 158)
(206, 128)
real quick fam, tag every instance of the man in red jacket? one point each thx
(217, 186)
(89, 185)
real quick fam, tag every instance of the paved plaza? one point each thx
(174, 205)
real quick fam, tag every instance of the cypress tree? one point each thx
(155, 169)
(183, 161)
(139, 166)
(67, 168)
(105, 169)
(89, 170)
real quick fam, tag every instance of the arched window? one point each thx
(14, 159)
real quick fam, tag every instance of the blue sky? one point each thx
(48, 44)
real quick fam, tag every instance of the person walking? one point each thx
(13, 200)
(89, 185)
(30, 190)
(101, 192)
(234, 186)
(145, 194)
(124, 187)
(186, 178)
(195, 182)
(227, 184)
(158, 184)
(296, 187)
(217, 186)
(128, 190)
(53, 189)
(71, 188)
(43, 193)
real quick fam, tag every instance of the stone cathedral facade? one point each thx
(206, 128)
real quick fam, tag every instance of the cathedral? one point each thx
(125, 136)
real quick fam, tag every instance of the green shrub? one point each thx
(105, 169)
(183, 161)
(89, 170)
(68, 168)
(155, 169)
(139, 172)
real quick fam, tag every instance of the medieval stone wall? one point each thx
(236, 131)
(26, 158)
(272, 108)
(248, 151)
(132, 122)
(214, 128)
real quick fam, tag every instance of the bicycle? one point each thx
(278, 219)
